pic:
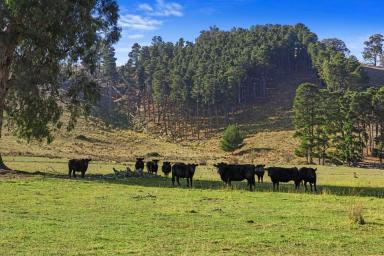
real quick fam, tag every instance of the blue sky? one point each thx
(350, 20)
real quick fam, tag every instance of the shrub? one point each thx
(356, 214)
(232, 139)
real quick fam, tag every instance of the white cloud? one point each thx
(146, 7)
(163, 8)
(138, 22)
(135, 36)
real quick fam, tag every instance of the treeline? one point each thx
(187, 89)
(191, 87)
(339, 126)
(343, 120)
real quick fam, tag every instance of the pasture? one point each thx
(45, 213)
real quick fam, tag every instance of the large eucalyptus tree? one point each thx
(40, 43)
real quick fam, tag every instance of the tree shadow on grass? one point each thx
(166, 182)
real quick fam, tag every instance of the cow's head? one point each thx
(87, 160)
(218, 165)
(166, 163)
(312, 173)
(155, 160)
(139, 159)
(260, 167)
(192, 167)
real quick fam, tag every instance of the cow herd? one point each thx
(227, 172)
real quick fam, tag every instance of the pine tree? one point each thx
(306, 118)
(109, 64)
(232, 139)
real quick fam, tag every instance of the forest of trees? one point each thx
(186, 88)
(341, 121)
(339, 126)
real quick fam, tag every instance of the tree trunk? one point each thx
(3, 91)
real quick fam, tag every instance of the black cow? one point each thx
(139, 164)
(259, 170)
(78, 165)
(308, 175)
(152, 166)
(235, 172)
(166, 168)
(279, 174)
(181, 170)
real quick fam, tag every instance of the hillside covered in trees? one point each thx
(184, 88)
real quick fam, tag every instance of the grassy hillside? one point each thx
(52, 215)
(267, 124)
(94, 140)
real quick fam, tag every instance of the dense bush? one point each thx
(232, 139)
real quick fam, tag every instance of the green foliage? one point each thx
(338, 126)
(335, 67)
(373, 51)
(232, 138)
(41, 45)
(306, 117)
(232, 65)
(109, 63)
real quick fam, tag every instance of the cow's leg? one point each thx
(178, 180)
(74, 174)
(173, 180)
(191, 181)
(187, 182)
(305, 186)
(277, 185)
(310, 184)
(82, 174)
(314, 184)
(70, 173)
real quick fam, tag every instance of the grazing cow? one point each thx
(235, 172)
(78, 165)
(152, 166)
(181, 170)
(139, 164)
(279, 174)
(308, 175)
(259, 170)
(166, 168)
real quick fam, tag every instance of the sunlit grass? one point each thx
(52, 215)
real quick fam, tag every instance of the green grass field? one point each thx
(47, 214)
